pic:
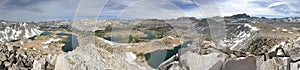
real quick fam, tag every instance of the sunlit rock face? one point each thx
(16, 31)
(202, 26)
(194, 61)
(95, 58)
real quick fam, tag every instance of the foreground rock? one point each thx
(90, 57)
(295, 54)
(275, 64)
(294, 66)
(16, 59)
(248, 63)
(194, 61)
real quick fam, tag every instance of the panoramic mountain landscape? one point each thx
(149, 35)
(186, 43)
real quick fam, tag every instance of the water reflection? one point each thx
(155, 58)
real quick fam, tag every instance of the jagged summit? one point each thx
(244, 15)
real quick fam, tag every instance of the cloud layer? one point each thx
(34, 10)
(46, 10)
(269, 8)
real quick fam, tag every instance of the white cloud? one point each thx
(90, 8)
(114, 7)
(58, 9)
(185, 1)
(209, 7)
(197, 12)
(144, 9)
(257, 7)
(3, 2)
(39, 11)
(275, 4)
(236, 7)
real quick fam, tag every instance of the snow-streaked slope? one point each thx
(16, 31)
(239, 36)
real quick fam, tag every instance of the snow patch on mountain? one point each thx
(240, 35)
(16, 31)
(130, 57)
(252, 28)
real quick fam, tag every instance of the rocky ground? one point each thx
(12, 58)
(247, 46)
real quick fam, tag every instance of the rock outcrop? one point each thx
(295, 54)
(209, 58)
(194, 61)
(12, 58)
(243, 63)
(88, 56)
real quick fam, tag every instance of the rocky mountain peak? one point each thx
(244, 15)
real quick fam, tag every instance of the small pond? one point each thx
(14, 40)
(155, 58)
(120, 39)
(71, 42)
(114, 39)
(45, 33)
(42, 34)
(32, 38)
(150, 35)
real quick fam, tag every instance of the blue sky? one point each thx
(47, 10)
